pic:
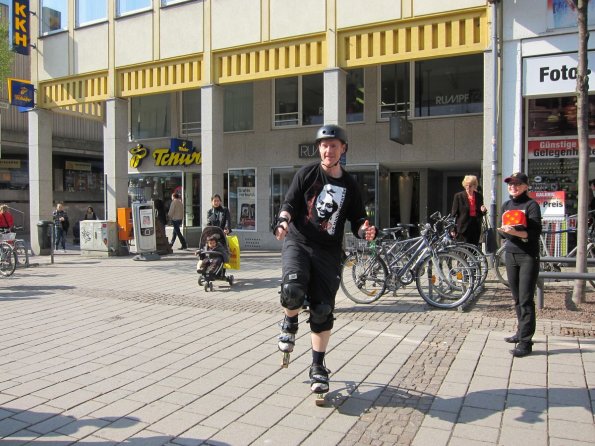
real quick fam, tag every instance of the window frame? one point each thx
(251, 107)
(78, 24)
(134, 11)
(132, 137)
(384, 116)
(413, 110)
(186, 129)
(166, 3)
(300, 103)
(41, 20)
(363, 112)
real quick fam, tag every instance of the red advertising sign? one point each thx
(552, 204)
(556, 148)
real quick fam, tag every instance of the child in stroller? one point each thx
(213, 254)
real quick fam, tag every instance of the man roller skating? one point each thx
(320, 199)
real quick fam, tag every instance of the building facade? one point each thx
(76, 159)
(224, 97)
(539, 114)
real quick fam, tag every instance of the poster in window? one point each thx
(563, 14)
(246, 208)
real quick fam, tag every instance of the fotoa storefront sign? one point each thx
(555, 74)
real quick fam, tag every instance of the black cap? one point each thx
(517, 176)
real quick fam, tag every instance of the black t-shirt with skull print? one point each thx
(320, 205)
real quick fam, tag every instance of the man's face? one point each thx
(330, 151)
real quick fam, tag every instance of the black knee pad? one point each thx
(292, 295)
(321, 318)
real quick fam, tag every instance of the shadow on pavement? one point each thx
(533, 403)
(25, 425)
(22, 292)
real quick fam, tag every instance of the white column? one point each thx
(40, 172)
(211, 138)
(335, 83)
(115, 155)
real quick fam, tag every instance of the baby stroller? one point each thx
(212, 257)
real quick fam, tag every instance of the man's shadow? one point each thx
(40, 427)
(357, 398)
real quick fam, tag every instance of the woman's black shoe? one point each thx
(521, 350)
(514, 339)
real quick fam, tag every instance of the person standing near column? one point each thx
(61, 225)
(176, 215)
(521, 227)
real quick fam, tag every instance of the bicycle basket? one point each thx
(8, 236)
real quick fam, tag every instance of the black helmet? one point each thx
(331, 131)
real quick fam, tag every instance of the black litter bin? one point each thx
(44, 235)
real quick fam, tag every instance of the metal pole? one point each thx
(494, 194)
(105, 196)
(52, 241)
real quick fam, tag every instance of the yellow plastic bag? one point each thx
(234, 251)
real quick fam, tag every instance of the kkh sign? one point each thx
(20, 26)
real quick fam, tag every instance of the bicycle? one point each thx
(8, 260)
(500, 261)
(18, 245)
(443, 279)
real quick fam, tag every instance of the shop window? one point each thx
(556, 116)
(90, 11)
(355, 95)
(150, 116)
(299, 100)
(450, 86)
(146, 187)
(238, 108)
(124, 7)
(281, 178)
(552, 159)
(80, 176)
(242, 198)
(14, 174)
(191, 114)
(394, 90)
(54, 16)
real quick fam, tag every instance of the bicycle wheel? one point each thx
(444, 280)
(482, 262)
(469, 258)
(8, 260)
(500, 266)
(363, 278)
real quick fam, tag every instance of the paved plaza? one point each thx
(108, 351)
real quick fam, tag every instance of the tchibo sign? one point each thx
(553, 74)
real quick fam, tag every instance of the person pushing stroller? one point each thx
(212, 257)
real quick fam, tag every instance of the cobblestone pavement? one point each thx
(113, 351)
